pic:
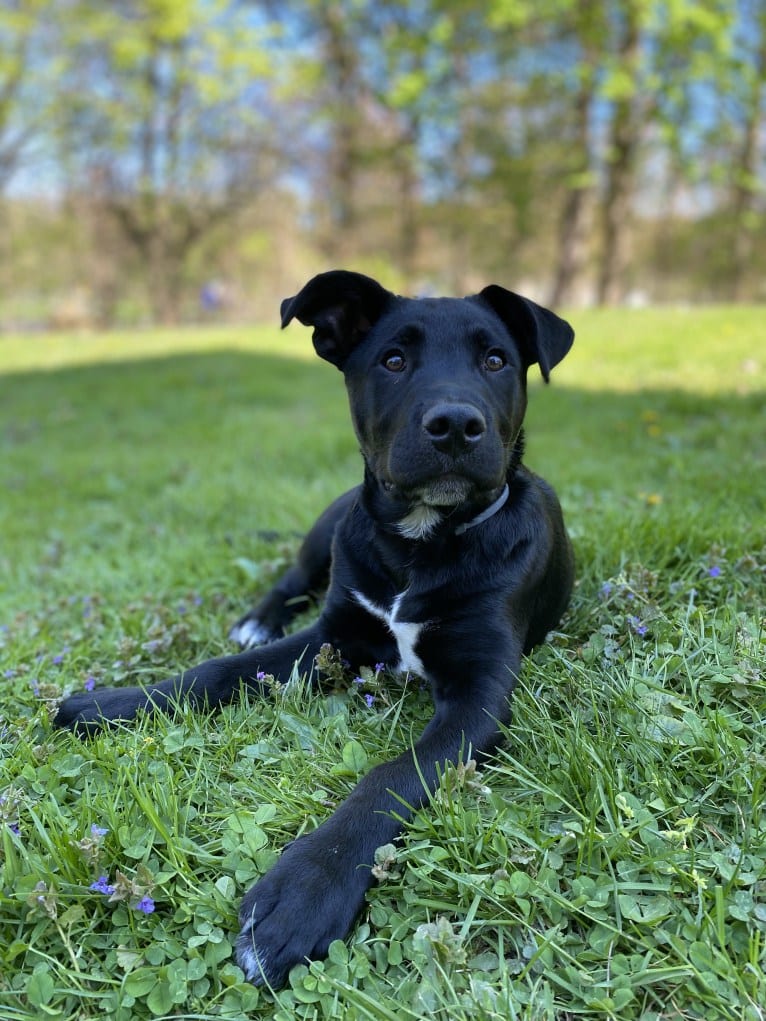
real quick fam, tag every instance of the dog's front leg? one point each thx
(212, 684)
(316, 889)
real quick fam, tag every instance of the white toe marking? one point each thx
(249, 633)
(251, 960)
(405, 633)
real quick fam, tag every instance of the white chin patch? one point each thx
(420, 522)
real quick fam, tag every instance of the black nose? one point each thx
(454, 428)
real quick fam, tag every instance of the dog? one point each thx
(450, 561)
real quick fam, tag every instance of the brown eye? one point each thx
(394, 361)
(494, 361)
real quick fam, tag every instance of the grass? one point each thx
(609, 863)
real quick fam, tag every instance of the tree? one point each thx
(164, 120)
(20, 37)
(747, 182)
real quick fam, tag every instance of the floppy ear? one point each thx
(342, 307)
(540, 334)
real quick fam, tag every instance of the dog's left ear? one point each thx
(540, 334)
(342, 307)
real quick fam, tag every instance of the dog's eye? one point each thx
(494, 361)
(394, 361)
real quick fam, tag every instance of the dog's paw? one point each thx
(88, 712)
(249, 631)
(307, 900)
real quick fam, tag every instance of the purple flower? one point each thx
(379, 667)
(359, 680)
(90, 683)
(260, 675)
(146, 904)
(59, 659)
(9, 674)
(369, 699)
(14, 828)
(638, 627)
(714, 571)
(102, 885)
(98, 831)
(606, 589)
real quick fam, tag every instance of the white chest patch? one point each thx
(405, 634)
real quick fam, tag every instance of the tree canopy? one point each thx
(589, 150)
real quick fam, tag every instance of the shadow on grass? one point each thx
(202, 425)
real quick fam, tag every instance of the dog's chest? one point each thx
(405, 633)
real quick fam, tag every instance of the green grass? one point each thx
(609, 863)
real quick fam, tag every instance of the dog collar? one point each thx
(485, 514)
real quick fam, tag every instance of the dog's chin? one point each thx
(442, 491)
(449, 491)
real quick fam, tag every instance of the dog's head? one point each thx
(437, 386)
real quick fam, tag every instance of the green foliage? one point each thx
(606, 863)
(189, 142)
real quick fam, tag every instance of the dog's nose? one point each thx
(454, 428)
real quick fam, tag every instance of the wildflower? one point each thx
(98, 831)
(102, 885)
(146, 904)
(9, 674)
(651, 499)
(261, 675)
(606, 589)
(714, 571)
(369, 699)
(379, 667)
(59, 658)
(90, 683)
(639, 628)
(359, 680)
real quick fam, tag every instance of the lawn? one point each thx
(610, 862)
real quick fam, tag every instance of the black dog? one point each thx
(450, 561)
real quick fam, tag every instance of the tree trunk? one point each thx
(746, 184)
(617, 223)
(343, 71)
(573, 225)
(404, 163)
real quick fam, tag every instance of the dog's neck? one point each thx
(486, 514)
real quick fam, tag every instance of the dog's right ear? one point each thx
(342, 307)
